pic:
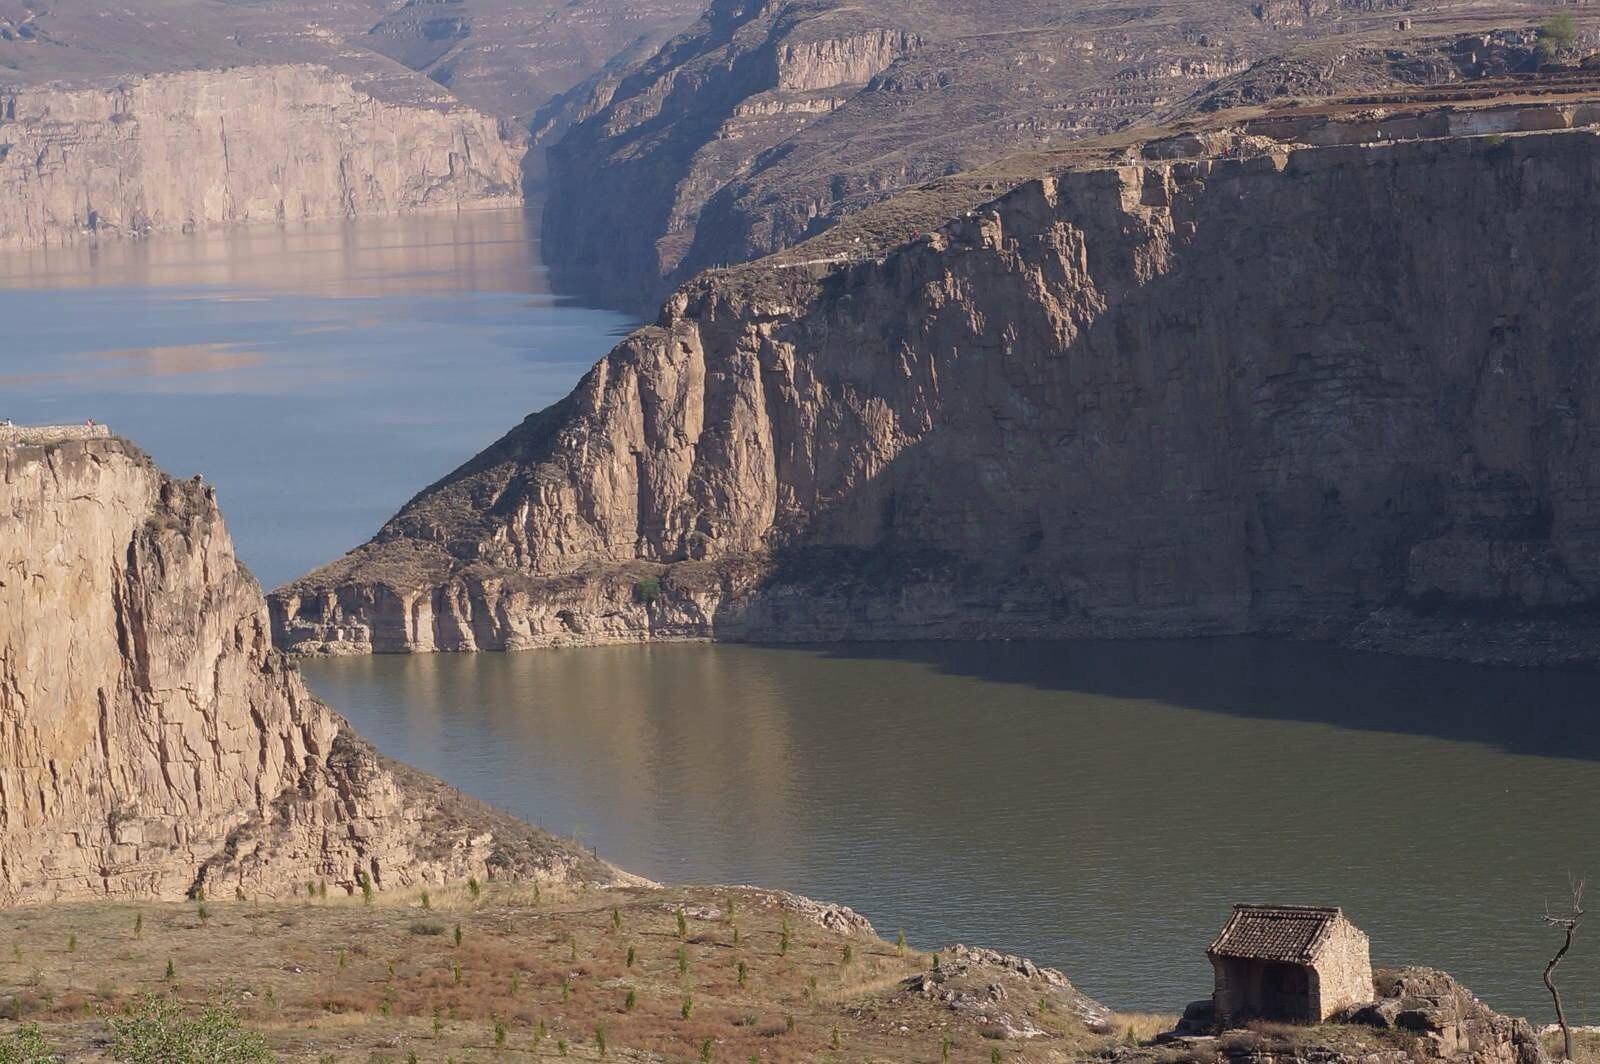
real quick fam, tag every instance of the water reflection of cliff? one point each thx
(487, 251)
(690, 747)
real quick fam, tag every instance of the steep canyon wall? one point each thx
(1339, 392)
(153, 743)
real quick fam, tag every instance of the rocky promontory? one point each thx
(156, 746)
(1302, 376)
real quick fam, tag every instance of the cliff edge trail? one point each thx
(155, 745)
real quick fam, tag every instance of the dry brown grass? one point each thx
(397, 990)
(1141, 1028)
(1585, 1046)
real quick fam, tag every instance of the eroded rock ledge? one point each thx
(1340, 392)
(154, 743)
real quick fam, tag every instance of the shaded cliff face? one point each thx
(1275, 393)
(252, 144)
(770, 121)
(153, 741)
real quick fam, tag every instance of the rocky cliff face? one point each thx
(1337, 391)
(249, 144)
(770, 121)
(154, 743)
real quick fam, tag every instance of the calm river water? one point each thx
(1096, 806)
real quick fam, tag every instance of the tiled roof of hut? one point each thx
(1275, 932)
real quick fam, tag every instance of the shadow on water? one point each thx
(1538, 712)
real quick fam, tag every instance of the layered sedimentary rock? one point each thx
(770, 121)
(155, 744)
(252, 144)
(1334, 391)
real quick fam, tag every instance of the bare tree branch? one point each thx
(1568, 923)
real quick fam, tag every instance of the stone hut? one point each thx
(1295, 963)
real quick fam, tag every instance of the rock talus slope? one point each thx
(251, 144)
(1340, 391)
(154, 743)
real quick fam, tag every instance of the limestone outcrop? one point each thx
(1337, 392)
(264, 143)
(1448, 1020)
(154, 744)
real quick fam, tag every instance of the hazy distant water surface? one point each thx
(319, 375)
(1095, 806)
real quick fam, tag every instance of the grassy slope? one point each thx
(315, 977)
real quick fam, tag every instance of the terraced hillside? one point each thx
(770, 121)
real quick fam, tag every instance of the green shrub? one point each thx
(25, 1045)
(648, 589)
(1557, 32)
(161, 1031)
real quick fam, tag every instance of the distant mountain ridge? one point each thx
(770, 120)
(285, 110)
